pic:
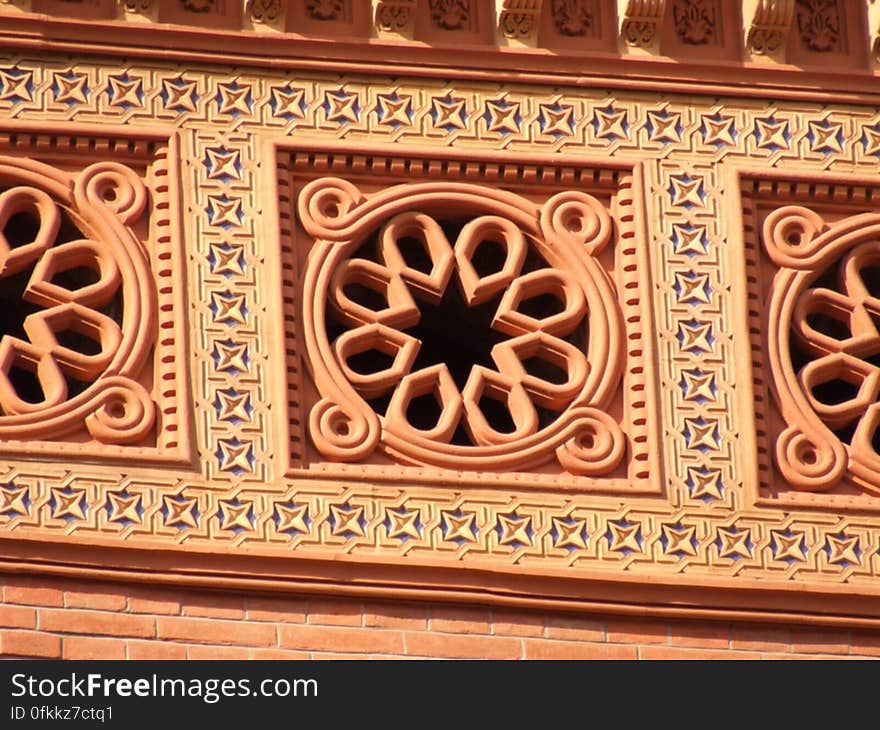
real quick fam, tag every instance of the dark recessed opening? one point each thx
(835, 391)
(415, 254)
(21, 228)
(78, 342)
(365, 296)
(541, 306)
(27, 385)
(370, 361)
(830, 326)
(423, 412)
(871, 279)
(545, 370)
(76, 277)
(489, 257)
(846, 433)
(497, 414)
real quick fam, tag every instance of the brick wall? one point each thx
(41, 617)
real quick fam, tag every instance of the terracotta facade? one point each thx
(552, 308)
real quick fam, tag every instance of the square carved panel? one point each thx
(462, 319)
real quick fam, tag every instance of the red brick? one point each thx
(213, 605)
(29, 644)
(575, 627)
(155, 600)
(217, 652)
(155, 650)
(460, 620)
(708, 635)
(81, 647)
(18, 617)
(32, 591)
(96, 623)
(535, 649)
(813, 657)
(675, 652)
(463, 647)
(335, 656)
(808, 641)
(335, 613)
(760, 638)
(215, 631)
(108, 598)
(281, 654)
(514, 623)
(396, 616)
(635, 631)
(285, 610)
(331, 638)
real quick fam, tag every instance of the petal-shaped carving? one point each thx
(17, 353)
(845, 326)
(430, 238)
(37, 206)
(434, 380)
(555, 283)
(478, 288)
(862, 376)
(485, 383)
(400, 309)
(399, 346)
(68, 256)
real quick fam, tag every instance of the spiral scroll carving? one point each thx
(79, 307)
(462, 327)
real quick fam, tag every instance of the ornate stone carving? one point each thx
(823, 342)
(767, 30)
(141, 7)
(450, 14)
(572, 17)
(324, 9)
(265, 11)
(818, 23)
(640, 21)
(694, 21)
(395, 16)
(518, 19)
(79, 304)
(386, 273)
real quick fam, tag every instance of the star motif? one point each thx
(288, 103)
(788, 545)
(871, 140)
(825, 137)
(664, 127)
(394, 110)
(697, 385)
(341, 107)
(233, 406)
(226, 259)
(689, 240)
(233, 99)
(70, 88)
(235, 455)
(222, 164)
(733, 543)
(686, 191)
(69, 503)
(449, 114)
(181, 511)
(718, 130)
(609, 123)
(695, 336)
(347, 520)
(556, 120)
(403, 523)
(771, 134)
(569, 533)
(229, 307)
(513, 530)
(502, 116)
(179, 95)
(125, 91)
(123, 507)
(701, 434)
(13, 499)
(692, 288)
(292, 517)
(17, 85)
(235, 515)
(231, 356)
(459, 526)
(224, 212)
(624, 536)
(843, 550)
(704, 483)
(679, 539)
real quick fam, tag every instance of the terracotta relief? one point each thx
(395, 16)
(324, 9)
(818, 22)
(265, 11)
(450, 14)
(572, 17)
(640, 21)
(518, 19)
(694, 21)
(767, 32)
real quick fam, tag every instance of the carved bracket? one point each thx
(767, 27)
(640, 22)
(396, 16)
(518, 20)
